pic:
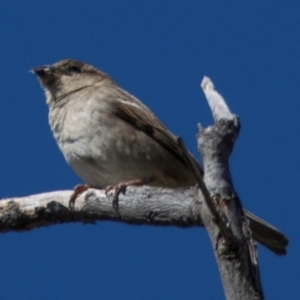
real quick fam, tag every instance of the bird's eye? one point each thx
(74, 69)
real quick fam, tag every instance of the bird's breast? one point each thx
(104, 149)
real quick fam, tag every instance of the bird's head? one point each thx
(67, 76)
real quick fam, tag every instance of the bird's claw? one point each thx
(78, 189)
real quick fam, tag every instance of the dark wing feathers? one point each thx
(143, 119)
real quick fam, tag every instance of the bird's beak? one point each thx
(46, 74)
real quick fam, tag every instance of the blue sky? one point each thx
(159, 51)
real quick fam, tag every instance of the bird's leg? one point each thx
(121, 188)
(78, 189)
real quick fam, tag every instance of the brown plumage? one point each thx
(108, 136)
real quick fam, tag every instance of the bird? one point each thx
(112, 140)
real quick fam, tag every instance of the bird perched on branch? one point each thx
(112, 140)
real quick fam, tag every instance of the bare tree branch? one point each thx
(140, 205)
(233, 246)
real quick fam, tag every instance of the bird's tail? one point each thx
(267, 235)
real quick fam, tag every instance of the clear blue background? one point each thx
(159, 51)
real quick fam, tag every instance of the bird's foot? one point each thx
(121, 188)
(78, 189)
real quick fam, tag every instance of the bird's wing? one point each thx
(139, 116)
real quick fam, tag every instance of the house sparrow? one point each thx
(111, 139)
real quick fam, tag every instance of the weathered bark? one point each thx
(140, 205)
(233, 246)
